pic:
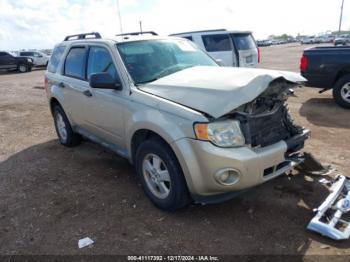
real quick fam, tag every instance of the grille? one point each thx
(266, 129)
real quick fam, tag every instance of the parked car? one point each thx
(328, 68)
(308, 40)
(10, 62)
(39, 58)
(327, 39)
(342, 41)
(233, 48)
(262, 43)
(193, 130)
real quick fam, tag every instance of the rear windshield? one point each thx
(243, 41)
(55, 59)
(216, 43)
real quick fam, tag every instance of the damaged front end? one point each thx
(266, 120)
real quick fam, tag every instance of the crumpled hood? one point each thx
(216, 90)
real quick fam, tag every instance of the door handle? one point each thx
(61, 85)
(87, 93)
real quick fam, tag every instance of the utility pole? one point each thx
(120, 17)
(341, 15)
(141, 27)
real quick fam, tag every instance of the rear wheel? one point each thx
(65, 133)
(341, 92)
(161, 175)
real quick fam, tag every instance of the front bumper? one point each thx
(328, 219)
(201, 160)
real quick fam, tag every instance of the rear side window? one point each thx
(100, 61)
(75, 63)
(55, 59)
(244, 41)
(188, 38)
(26, 53)
(217, 43)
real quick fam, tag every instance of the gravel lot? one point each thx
(52, 196)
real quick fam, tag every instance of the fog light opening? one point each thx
(227, 176)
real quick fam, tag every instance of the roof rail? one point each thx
(82, 36)
(138, 33)
(201, 31)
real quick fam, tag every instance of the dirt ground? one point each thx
(52, 196)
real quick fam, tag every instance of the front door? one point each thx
(39, 59)
(104, 109)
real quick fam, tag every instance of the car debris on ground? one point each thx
(84, 242)
(328, 219)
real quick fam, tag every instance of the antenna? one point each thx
(141, 27)
(120, 17)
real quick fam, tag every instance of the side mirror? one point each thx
(220, 62)
(104, 81)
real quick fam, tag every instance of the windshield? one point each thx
(149, 60)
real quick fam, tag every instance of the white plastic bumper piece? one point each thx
(328, 221)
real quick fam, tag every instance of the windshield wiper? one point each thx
(147, 81)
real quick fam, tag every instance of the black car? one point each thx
(328, 68)
(10, 62)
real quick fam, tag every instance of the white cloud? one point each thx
(42, 23)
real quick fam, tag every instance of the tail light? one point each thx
(258, 55)
(46, 84)
(303, 63)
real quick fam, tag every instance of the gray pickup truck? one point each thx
(193, 130)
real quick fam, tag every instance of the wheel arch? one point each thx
(53, 102)
(343, 72)
(142, 135)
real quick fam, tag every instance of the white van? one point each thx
(233, 48)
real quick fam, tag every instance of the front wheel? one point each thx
(341, 92)
(23, 68)
(161, 175)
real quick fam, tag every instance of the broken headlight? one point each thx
(226, 133)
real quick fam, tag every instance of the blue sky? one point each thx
(42, 23)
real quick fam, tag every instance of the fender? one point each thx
(168, 126)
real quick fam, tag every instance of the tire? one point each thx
(177, 195)
(65, 133)
(23, 68)
(341, 92)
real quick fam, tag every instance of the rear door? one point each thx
(220, 46)
(246, 48)
(74, 84)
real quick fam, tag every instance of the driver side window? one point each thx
(100, 61)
